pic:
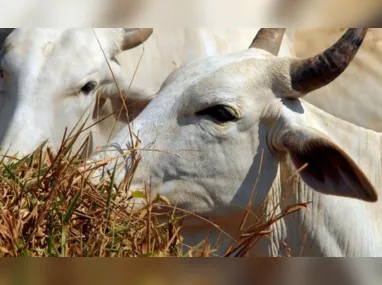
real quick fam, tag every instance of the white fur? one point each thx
(44, 72)
(211, 169)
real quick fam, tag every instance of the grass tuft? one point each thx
(49, 208)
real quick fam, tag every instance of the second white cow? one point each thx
(220, 121)
(49, 80)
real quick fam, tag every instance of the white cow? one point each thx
(215, 119)
(353, 97)
(51, 77)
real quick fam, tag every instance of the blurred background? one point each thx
(211, 271)
(222, 13)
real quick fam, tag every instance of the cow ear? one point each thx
(135, 103)
(324, 166)
(4, 33)
(134, 37)
(135, 100)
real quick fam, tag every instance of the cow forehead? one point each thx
(41, 43)
(32, 53)
(42, 35)
(219, 73)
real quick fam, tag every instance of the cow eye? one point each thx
(220, 113)
(88, 87)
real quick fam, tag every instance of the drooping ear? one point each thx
(135, 100)
(134, 37)
(329, 169)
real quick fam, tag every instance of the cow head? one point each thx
(216, 121)
(49, 79)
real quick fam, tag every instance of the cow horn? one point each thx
(4, 33)
(310, 74)
(268, 40)
(134, 37)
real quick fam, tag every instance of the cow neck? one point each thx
(333, 226)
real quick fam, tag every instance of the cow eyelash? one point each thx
(88, 87)
(219, 113)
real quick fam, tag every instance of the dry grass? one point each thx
(49, 208)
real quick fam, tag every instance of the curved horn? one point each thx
(310, 74)
(134, 37)
(268, 40)
(4, 33)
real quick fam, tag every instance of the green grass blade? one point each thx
(71, 208)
